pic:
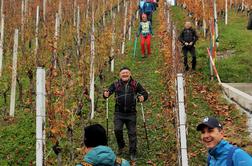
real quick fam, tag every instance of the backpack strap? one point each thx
(133, 84)
(83, 163)
(230, 155)
(208, 160)
(117, 85)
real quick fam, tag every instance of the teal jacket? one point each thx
(102, 156)
(218, 155)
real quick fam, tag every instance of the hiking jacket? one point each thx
(218, 155)
(126, 94)
(148, 7)
(141, 5)
(145, 28)
(188, 35)
(102, 156)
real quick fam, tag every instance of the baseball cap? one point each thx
(210, 122)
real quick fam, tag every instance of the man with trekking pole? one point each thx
(127, 92)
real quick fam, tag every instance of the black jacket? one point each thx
(126, 94)
(188, 35)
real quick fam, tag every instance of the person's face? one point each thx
(144, 18)
(188, 25)
(125, 75)
(211, 136)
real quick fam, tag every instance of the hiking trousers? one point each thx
(129, 119)
(145, 39)
(192, 52)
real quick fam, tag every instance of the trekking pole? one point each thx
(107, 116)
(145, 126)
(135, 45)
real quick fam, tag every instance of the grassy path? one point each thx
(161, 132)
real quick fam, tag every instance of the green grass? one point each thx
(18, 140)
(235, 36)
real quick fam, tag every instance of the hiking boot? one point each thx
(132, 163)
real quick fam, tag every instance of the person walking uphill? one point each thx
(221, 152)
(97, 151)
(188, 38)
(127, 91)
(145, 32)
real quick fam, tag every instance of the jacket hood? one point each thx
(101, 156)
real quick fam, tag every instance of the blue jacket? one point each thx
(148, 7)
(102, 156)
(219, 154)
(141, 5)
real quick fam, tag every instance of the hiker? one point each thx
(148, 9)
(220, 151)
(155, 4)
(140, 8)
(145, 32)
(98, 153)
(188, 38)
(127, 91)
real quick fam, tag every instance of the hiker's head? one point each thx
(125, 74)
(95, 135)
(144, 17)
(188, 25)
(211, 132)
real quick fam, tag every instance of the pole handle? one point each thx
(142, 112)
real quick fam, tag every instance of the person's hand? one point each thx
(191, 43)
(186, 43)
(141, 98)
(106, 93)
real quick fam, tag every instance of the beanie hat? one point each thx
(95, 135)
(124, 68)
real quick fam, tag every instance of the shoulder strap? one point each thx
(230, 155)
(117, 85)
(133, 84)
(83, 163)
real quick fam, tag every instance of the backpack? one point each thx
(229, 156)
(148, 7)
